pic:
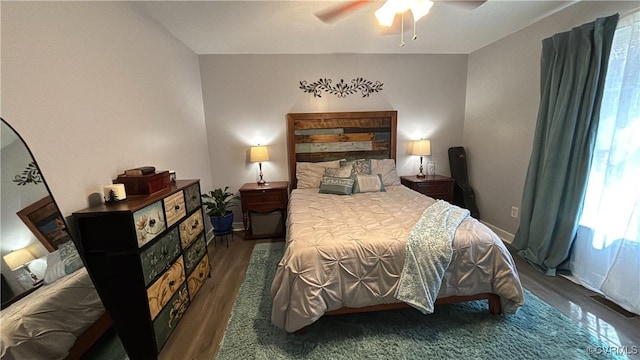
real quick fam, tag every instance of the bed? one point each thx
(61, 319)
(346, 253)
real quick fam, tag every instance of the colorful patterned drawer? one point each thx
(174, 208)
(169, 317)
(149, 222)
(192, 197)
(146, 248)
(161, 291)
(159, 256)
(197, 277)
(194, 253)
(190, 228)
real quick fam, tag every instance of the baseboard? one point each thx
(236, 226)
(505, 236)
(209, 236)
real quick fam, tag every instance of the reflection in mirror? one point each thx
(42, 272)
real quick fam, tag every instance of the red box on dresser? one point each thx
(144, 184)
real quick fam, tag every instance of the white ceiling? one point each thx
(290, 27)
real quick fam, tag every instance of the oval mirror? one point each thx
(42, 272)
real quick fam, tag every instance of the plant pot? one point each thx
(222, 224)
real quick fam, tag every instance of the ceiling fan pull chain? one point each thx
(415, 24)
(402, 43)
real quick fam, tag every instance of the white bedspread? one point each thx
(46, 323)
(348, 251)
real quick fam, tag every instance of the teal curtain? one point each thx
(573, 68)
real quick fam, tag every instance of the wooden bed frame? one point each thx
(85, 341)
(315, 137)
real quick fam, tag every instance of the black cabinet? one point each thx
(148, 259)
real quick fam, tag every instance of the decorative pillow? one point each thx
(70, 257)
(310, 174)
(360, 166)
(336, 185)
(368, 183)
(386, 168)
(55, 268)
(343, 171)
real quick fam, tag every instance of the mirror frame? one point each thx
(47, 204)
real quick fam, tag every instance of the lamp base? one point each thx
(261, 181)
(33, 276)
(421, 174)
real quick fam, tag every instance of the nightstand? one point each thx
(264, 209)
(38, 284)
(435, 186)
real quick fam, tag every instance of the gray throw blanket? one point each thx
(428, 254)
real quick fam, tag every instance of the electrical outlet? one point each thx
(514, 212)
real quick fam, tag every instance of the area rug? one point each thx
(456, 331)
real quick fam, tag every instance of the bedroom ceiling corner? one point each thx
(293, 27)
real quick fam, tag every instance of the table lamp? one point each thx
(20, 258)
(259, 154)
(421, 148)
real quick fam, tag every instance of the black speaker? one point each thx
(463, 194)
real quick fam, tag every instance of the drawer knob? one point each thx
(172, 282)
(152, 222)
(177, 207)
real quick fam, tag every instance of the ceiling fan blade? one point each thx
(335, 12)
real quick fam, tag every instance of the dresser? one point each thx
(264, 209)
(435, 186)
(148, 258)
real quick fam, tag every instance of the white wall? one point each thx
(247, 97)
(95, 88)
(502, 107)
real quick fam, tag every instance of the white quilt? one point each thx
(348, 251)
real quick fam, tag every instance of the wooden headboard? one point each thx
(315, 137)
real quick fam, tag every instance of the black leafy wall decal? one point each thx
(341, 89)
(29, 175)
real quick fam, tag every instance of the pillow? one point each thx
(310, 174)
(336, 185)
(70, 257)
(368, 183)
(343, 171)
(386, 168)
(360, 166)
(55, 268)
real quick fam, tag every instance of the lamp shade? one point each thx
(259, 154)
(18, 258)
(421, 148)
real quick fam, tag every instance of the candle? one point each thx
(114, 193)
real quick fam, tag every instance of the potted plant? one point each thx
(217, 205)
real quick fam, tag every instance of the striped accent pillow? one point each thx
(368, 183)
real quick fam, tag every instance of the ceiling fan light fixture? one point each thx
(386, 14)
(420, 8)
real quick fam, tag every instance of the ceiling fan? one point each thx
(388, 11)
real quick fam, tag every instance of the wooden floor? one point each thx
(200, 331)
